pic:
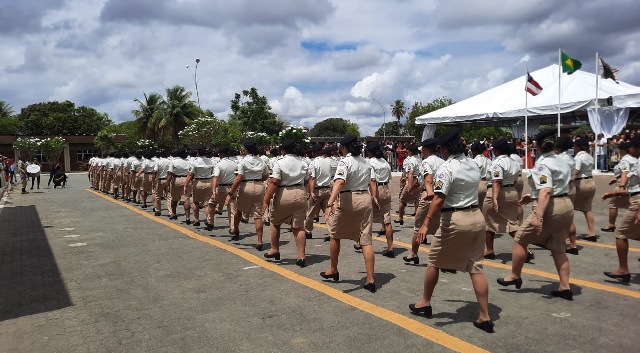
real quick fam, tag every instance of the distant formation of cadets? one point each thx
(462, 201)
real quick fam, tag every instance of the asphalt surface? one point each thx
(82, 273)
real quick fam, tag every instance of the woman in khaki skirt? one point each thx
(484, 163)
(349, 211)
(500, 206)
(146, 172)
(199, 178)
(519, 186)
(585, 188)
(176, 177)
(381, 175)
(550, 218)
(621, 173)
(459, 243)
(563, 144)
(629, 227)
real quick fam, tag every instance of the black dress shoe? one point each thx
(144, 206)
(275, 255)
(625, 278)
(389, 253)
(530, 256)
(334, 276)
(357, 247)
(399, 222)
(157, 214)
(486, 326)
(516, 282)
(244, 220)
(317, 219)
(573, 251)
(219, 213)
(308, 235)
(259, 247)
(301, 263)
(196, 223)
(415, 259)
(413, 214)
(425, 241)
(564, 294)
(381, 232)
(491, 256)
(187, 221)
(209, 227)
(173, 217)
(236, 237)
(371, 287)
(327, 238)
(609, 229)
(427, 311)
(592, 238)
(267, 223)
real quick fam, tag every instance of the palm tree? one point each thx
(178, 111)
(6, 110)
(148, 115)
(398, 109)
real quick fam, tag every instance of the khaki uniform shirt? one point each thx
(252, 168)
(412, 164)
(201, 167)
(584, 164)
(505, 169)
(149, 165)
(550, 171)
(569, 159)
(178, 167)
(161, 168)
(356, 173)
(458, 178)
(290, 170)
(626, 164)
(484, 164)
(320, 169)
(136, 164)
(430, 165)
(380, 170)
(633, 179)
(225, 171)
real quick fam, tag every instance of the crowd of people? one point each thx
(461, 199)
(10, 170)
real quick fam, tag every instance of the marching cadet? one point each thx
(349, 211)
(275, 155)
(621, 173)
(484, 163)
(459, 242)
(630, 224)
(222, 180)
(116, 165)
(176, 178)
(136, 180)
(22, 170)
(550, 218)
(381, 176)
(563, 144)
(127, 175)
(199, 178)
(519, 186)
(161, 169)
(108, 172)
(146, 174)
(100, 174)
(251, 172)
(428, 168)
(500, 206)
(585, 188)
(319, 187)
(287, 189)
(412, 188)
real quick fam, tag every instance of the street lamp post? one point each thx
(194, 75)
(384, 120)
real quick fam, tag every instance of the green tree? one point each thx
(418, 109)
(390, 128)
(334, 127)
(210, 132)
(52, 148)
(61, 118)
(105, 142)
(11, 126)
(178, 111)
(398, 109)
(148, 115)
(6, 110)
(27, 146)
(253, 112)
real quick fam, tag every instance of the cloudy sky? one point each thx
(312, 59)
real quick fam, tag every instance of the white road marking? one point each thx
(71, 236)
(561, 314)
(66, 229)
(250, 267)
(78, 244)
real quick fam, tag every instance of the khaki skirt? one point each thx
(289, 206)
(202, 190)
(506, 219)
(482, 191)
(557, 219)
(519, 186)
(383, 214)
(585, 191)
(137, 182)
(459, 242)
(421, 214)
(351, 217)
(412, 196)
(147, 186)
(250, 197)
(628, 228)
(176, 189)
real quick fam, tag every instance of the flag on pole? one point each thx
(532, 86)
(608, 71)
(569, 64)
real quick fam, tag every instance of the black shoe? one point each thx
(219, 213)
(187, 221)
(609, 229)
(244, 220)
(564, 294)
(259, 247)
(381, 232)
(327, 239)
(267, 223)
(209, 227)
(371, 287)
(399, 222)
(157, 214)
(317, 219)
(486, 326)
(573, 251)
(427, 311)
(25, 192)
(517, 282)
(309, 235)
(530, 256)
(173, 217)
(444, 270)
(415, 259)
(334, 276)
(425, 241)
(592, 238)
(272, 256)
(196, 223)
(413, 214)
(491, 256)
(357, 247)
(625, 278)
(301, 263)
(144, 206)
(236, 237)
(389, 253)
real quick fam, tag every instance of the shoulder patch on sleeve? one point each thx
(496, 174)
(438, 185)
(543, 179)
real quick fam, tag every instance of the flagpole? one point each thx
(526, 120)
(559, 85)
(597, 117)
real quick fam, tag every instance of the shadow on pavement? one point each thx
(545, 290)
(466, 313)
(30, 281)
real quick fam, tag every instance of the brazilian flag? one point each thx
(569, 64)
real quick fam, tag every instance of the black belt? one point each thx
(149, 172)
(387, 183)
(202, 178)
(490, 185)
(286, 186)
(584, 178)
(248, 180)
(343, 191)
(454, 209)
(225, 184)
(561, 195)
(322, 187)
(632, 194)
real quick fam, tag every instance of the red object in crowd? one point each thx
(402, 154)
(528, 164)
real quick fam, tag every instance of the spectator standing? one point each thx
(601, 152)
(12, 171)
(53, 172)
(401, 154)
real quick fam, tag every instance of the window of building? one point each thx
(85, 155)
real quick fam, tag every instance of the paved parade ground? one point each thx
(81, 272)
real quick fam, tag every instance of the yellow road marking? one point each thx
(553, 276)
(402, 321)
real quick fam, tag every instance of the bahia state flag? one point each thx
(532, 86)
(569, 64)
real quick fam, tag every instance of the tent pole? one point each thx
(598, 125)
(559, 86)
(526, 120)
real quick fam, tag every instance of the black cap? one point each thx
(316, 147)
(635, 142)
(349, 139)
(500, 144)
(452, 134)
(372, 146)
(544, 134)
(429, 143)
(477, 147)
(250, 143)
(624, 146)
(564, 143)
(412, 148)
(581, 142)
(180, 152)
(223, 150)
(327, 150)
(288, 145)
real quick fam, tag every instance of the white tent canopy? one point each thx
(507, 101)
